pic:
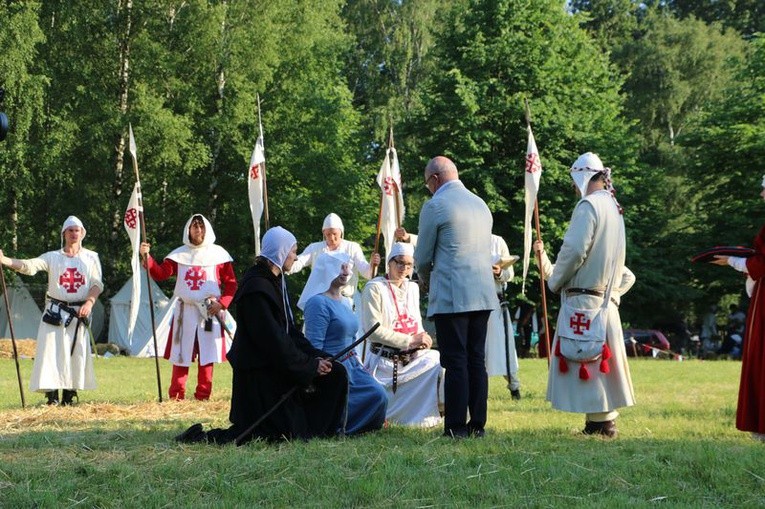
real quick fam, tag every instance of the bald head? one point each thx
(443, 166)
(438, 171)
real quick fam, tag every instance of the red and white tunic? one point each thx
(63, 360)
(201, 272)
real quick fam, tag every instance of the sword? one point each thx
(289, 393)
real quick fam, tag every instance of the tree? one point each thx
(489, 56)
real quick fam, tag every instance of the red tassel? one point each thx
(604, 367)
(562, 364)
(583, 373)
(606, 352)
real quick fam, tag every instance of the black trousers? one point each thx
(462, 345)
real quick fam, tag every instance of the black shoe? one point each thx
(451, 433)
(478, 433)
(515, 394)
(67, 397)
(52, 397)
(192, 435)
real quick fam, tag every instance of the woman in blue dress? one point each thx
(330, 326)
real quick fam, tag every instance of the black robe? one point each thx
(270, 356)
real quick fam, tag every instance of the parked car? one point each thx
(645, 341)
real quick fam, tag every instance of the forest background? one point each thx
(671, 94)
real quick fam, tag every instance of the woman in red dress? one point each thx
(750, 414)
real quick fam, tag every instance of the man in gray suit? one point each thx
(453, 260)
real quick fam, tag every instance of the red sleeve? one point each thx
(161, 272)
(227, 281)
(755, 264)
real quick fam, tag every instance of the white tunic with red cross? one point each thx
(63, 360)
(194, 284)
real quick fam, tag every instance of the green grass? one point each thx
(677, 448)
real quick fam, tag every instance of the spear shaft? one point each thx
(146, 261)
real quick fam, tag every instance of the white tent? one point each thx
(142, 343)
(26, 315)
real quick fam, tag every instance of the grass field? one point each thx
(677, 448)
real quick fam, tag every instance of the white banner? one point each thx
(533, 172)
(392, 215)
(132, 223)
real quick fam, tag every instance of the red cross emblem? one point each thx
(255, 172)
(532, 163)
(131, 218)
(578, 324)
(71, 280)
(194, 278)
(389, 185)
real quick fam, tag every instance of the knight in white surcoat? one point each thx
(590, 261)
(202, 328)
(63, 359)
(400, 357)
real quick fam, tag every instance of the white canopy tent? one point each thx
(142, 343)
(25, 312)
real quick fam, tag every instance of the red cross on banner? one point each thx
(255, 171)
(131, 218)
(195, 277)
(71, 280)
(532, 163)
(388, 185)
(578, 323)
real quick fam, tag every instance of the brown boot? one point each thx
(605, 428)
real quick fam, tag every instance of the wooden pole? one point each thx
(263, 168)
(542, 289)
(141, 218)
(13, 336)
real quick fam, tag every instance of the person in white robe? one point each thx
(63, 359)
(202, 328)
(592, 254)
(400, 357)
(501, 356)
(334, 241)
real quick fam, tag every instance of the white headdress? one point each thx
(763, 181)
(400, 249)
(72, 221)
(587, 166)
(324, 270)
(333, 221)
(209, 233)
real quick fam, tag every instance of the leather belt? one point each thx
(587, 291)
(395, 355)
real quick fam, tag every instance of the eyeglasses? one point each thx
(402, 265)
(427, 180)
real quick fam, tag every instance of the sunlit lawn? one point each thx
(677, 447)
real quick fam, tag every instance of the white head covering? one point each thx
(209, 239)
(72, 221)
(325, 269)
(587, 166)
(400, 249)
(206, 253)
(763, 181)
(333, 221)
(276, 245)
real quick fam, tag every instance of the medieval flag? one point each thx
(392, 202)
(255, 186)
(132, 222)
(532, 173)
